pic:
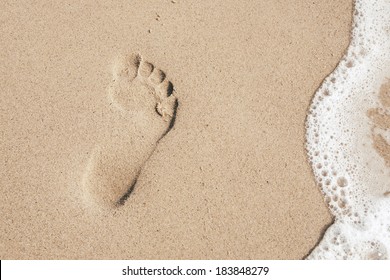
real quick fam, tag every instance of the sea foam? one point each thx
(348, 141)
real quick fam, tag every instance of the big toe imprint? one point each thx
(116, 163)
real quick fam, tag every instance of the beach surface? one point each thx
(217, 166)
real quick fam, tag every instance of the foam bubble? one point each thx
(348, 133)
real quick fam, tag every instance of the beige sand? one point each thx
(229, 181)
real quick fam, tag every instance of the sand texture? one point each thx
(162, 129)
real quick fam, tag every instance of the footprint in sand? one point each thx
(143, 95)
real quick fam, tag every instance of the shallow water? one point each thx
(348, 143)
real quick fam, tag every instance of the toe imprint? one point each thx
(145, 69)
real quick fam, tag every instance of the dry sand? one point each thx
(229, 181)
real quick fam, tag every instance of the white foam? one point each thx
(352, 175)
